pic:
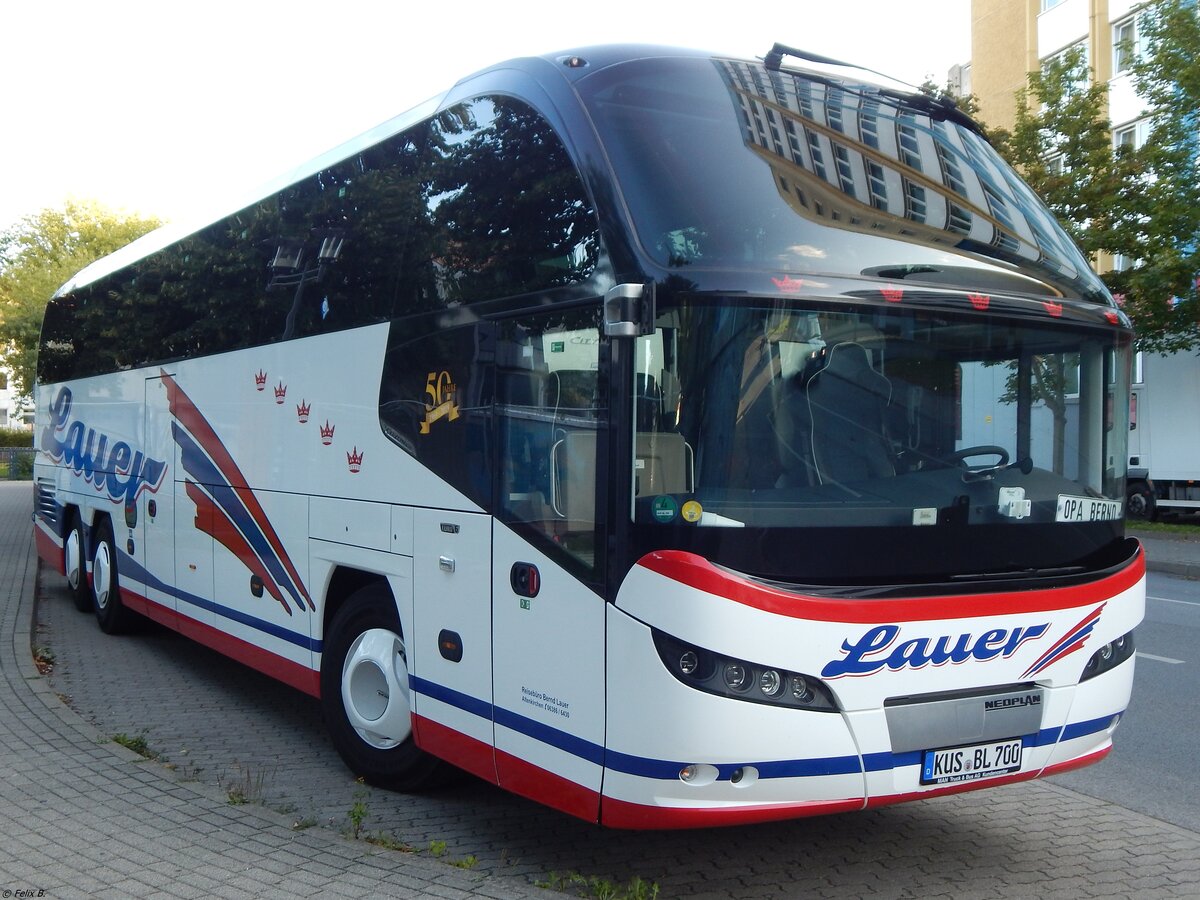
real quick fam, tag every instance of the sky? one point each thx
(166, 107)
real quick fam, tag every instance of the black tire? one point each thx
(1140, 503)
(75, 552)
(111, 613)
(365, 695)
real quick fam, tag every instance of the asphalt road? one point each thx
(1155, 768)
(216, 722)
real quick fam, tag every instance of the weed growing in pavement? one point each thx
(467, 862)
(437, 848)
(243, 788)
(137, 744)
(596, 888)
(305, 823)
(389, 842)
(358, 811)
(43, 658)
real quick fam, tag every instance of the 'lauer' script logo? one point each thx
(877, 649)
(112, 467)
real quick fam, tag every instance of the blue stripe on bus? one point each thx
(666, 770)
(626, 763)
(1083, 729)
(451, 697)
(129, 567)
(569, 743)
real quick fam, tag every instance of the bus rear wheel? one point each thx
(74, 554)
(111, 613)
(365, 694)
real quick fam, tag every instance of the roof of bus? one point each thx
(570, 64)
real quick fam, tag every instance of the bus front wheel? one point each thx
(365, 694)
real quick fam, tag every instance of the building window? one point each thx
(1125, 45)
(1050, 4)
(1131, 136)
(1061, 59)
(877, 180)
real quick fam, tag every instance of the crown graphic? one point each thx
(979, 301)
(302, 411)
(354, 459)
(892, 294)
(260, 380)
(280, 392)
(327, 433)
(788, 284)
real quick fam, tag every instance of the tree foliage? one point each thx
(39, 254)
(1162, 287)
(1139, 205)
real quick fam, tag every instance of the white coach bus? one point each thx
(674, 440)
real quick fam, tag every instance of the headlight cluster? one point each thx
(1109, 656)
(741, 680)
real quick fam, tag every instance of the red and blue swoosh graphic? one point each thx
(226, 508)
(1073, 640)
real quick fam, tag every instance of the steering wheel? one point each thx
(960, 456)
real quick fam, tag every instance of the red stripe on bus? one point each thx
(50, 551)
(697, 572)
(454, 747)
(623, 814)
(962, 787)
(291, 673)
(523, 777)
(512, 773)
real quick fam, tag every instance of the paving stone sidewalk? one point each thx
(225, 727)
(81, 816)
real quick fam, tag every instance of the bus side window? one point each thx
(548, 413)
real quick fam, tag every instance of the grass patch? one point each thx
(1188, 528)
(595, 888)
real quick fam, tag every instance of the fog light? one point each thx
(1106, 652)
(770, 683)
(698, 774)
(689, 662)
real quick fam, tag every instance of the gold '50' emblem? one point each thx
(440, 392)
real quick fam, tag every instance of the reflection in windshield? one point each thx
(727, 165)
(777, 415)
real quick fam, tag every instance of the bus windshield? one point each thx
(726, 165)
(781, 415)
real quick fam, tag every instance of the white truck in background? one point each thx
(1164, 436)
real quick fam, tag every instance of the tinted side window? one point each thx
(482, 202)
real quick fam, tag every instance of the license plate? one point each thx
(1086, 509)
(955, 764)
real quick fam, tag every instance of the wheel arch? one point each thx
(344, 582)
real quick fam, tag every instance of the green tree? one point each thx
(39, 254)
(1142, 205)
(1062, 146)
(1163, 200)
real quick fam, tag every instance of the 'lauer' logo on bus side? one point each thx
(877, 649)
(110, 466)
